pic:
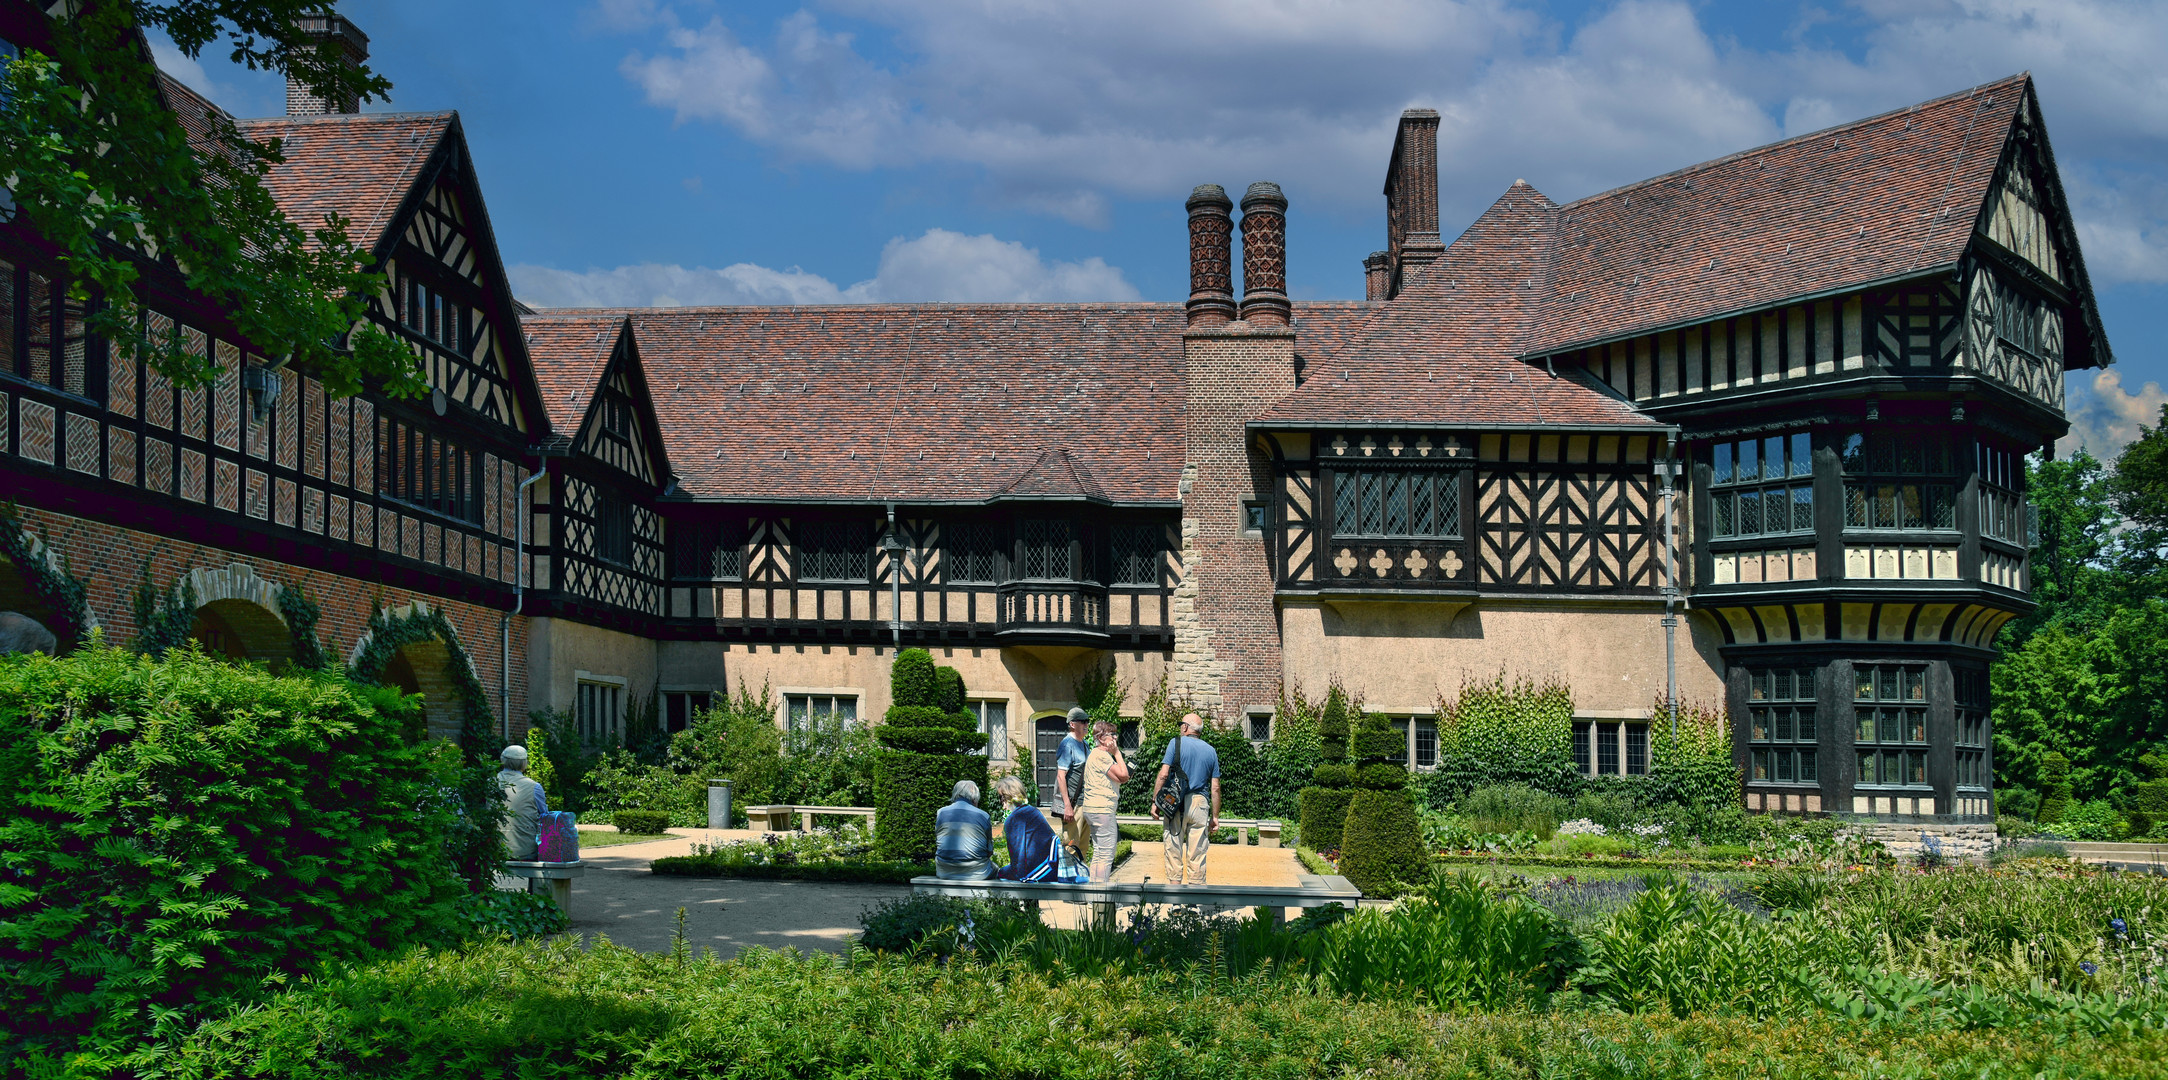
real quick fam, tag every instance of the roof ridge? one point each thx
(419, 114)
(1796, 139)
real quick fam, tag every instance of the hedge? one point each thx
(908, 790)
(640, 822)
(177, 831)
(1324, 814)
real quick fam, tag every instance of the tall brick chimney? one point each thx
(353, 47)
(1264, 255)
(1411, 199)
(1377, 275)
(1211, 256)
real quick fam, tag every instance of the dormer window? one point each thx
(431, 314)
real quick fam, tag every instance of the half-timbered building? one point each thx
(1824, 360)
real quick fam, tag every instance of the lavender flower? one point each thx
(2118, 925)
(2089, 967)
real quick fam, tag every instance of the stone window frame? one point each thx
(833, 694)
(1587, 756)
(612, 727)
(976, 705)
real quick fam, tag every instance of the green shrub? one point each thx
(1694, 769)
(930, 925)
(1324, 816)
(912, 680)
(2149, 798)
(620, 783)
(1334, 775)
(513, 914)
(948, 689)
(178, 831)
(2054, 788)
(1512, 808)
(827, 761)
(909, 789)
(1455, 944)
(1610, 801)
(1591, 844)
(1381, 844)
(606, 1012)
(1681, 949)
(641, 822)
(2018, 802)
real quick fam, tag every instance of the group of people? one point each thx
(1088, 779)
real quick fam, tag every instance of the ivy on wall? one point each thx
(163, 618)
(1501, 731)
(302, 615)
(387, 633)
(65, 596)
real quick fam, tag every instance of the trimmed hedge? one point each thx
(912, 680)
(179, 831)
(932, 740)
(908, 790)
(948, 685)
(1324, 816)
(1324, 804)
(640, 822)
(1381, 844)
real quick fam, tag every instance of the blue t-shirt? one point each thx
(1200, 763)
(1074, 752)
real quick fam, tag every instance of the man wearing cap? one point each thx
(1069, 780)
(523, 802)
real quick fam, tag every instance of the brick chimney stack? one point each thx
(1377, 275)
(353, 47)
(1411, 200)
(1211, 257)
(1264, 255)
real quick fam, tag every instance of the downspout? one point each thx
(519, 588)
(895, 580)
(1669, 470)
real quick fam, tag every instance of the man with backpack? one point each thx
(1187, 773)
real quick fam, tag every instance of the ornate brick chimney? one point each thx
(353, 47)
(1211, 256)
(1377, 275)
(1264, 255)
(1411, 199)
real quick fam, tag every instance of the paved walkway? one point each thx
(620, 898)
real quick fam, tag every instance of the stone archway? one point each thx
(35, 582)
(237, 616)
(415, 650)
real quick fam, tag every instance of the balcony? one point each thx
(1030, 610)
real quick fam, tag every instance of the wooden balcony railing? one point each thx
(1052, 607)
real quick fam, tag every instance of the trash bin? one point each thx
(718, 803)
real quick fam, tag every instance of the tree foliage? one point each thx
(106, 174)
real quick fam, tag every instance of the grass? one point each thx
(594, 838)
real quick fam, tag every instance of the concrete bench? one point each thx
(1268, 829)
(778, 817)
(1103, 897)
(552, 879)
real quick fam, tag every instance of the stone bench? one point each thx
(778, 817)
(1268, 829)
(1103, 897)
(552, 879)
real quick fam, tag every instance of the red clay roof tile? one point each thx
(358, 165)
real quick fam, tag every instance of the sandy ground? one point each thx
(619, 898)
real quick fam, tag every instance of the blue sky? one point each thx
(684, 151)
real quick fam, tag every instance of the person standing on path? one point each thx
(1069, 779)
(1189, 836)
(1104, 772)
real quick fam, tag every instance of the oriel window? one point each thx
(1890, 714)
(1762, 486)
(1396, 503)
(2004, 514)
(1137, 550)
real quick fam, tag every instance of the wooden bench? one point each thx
(553, 879)
(1268, 829)
(1274, 899)
(778, 817)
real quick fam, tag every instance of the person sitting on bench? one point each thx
(963, 840)
(1034, 850)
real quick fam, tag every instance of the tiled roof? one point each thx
(359, 165)
(1056, 475)
(1442, 352)
(197, 116)
(570, 353)
(1884, 197)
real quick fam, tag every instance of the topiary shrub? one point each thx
(2054, 787)
(925, 750)
(1325, 802)
(2149, 798)
(948, 686)
(642, 822)
(181, 831)
(1381, 843)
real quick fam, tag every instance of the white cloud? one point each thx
(2105, 418)
(1056, 107)
(938, 266)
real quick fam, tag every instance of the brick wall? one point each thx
(1227, 636)
(110, 560)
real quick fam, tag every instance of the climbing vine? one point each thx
(388, 633)
(163, 618)
(64, 595)
(301, 617)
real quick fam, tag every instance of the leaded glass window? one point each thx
(1900, 480)
(1044, 550)
(1781, 728)
(1890, 714)
(2003, 512)
(1137, 550)
(1762, 487)
(969, 550)
(1972, 727)
(1396, 503)
(835, 551)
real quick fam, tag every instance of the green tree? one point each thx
(2075, 575)
(106, 174)
(2092, 694)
